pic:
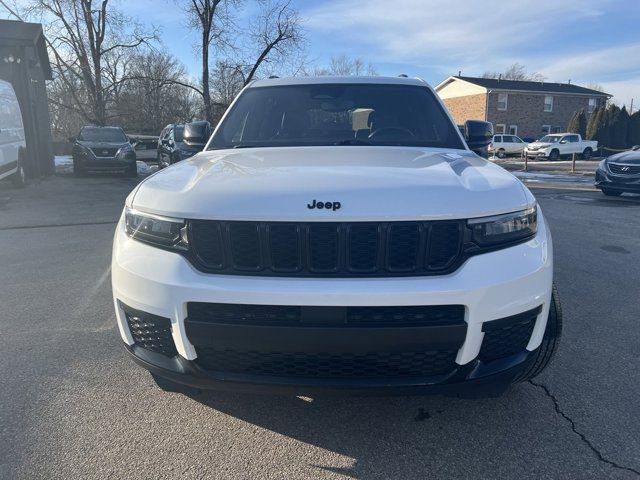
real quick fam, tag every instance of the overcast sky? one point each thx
(587, 41)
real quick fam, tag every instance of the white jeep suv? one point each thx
(337, 234)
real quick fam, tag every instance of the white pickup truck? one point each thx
(561, 144)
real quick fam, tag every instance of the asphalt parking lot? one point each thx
(73, 406)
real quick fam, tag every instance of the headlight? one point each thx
(124, 151)
(156, 230)
(83, 151)
(504, 229)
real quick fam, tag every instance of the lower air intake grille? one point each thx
(507, 336)
(324, 365)
(286, 315)
(151, 332)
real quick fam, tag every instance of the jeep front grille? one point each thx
(326, 249)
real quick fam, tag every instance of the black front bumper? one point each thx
(620, 183)
(106, 164)
(347, 350)
(475, 379)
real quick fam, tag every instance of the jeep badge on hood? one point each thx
(326, 205)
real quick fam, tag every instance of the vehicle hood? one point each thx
(631, 157)
(370, 183)
(538, 145)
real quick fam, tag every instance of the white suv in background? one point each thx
(559, 145)
(12, 142)
(503, 145)
(337, 234)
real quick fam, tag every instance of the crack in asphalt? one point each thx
(582, 436)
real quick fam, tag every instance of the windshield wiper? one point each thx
(352, 141)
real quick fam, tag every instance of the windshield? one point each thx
(550, 138)
(102, 134)
(178, 131)
(337, 114)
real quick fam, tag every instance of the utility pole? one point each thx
(631, 108)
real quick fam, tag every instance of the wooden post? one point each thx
(573, 163)
(526, 162)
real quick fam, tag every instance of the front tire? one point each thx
(554, 155)
(501, 153)
(131, 171)
(552, 333)
(19, 178)
(78, 171)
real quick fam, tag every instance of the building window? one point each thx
(556, 129)
(502, 101)
(513, 129)
(593, 103)
(546, 129)
(500, 128)
(548, 103)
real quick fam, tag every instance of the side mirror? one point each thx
(196, 133)
(563, 141)
(478, 134)
(72, 139)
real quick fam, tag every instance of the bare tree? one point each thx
(207, 17)
(273, 37)
(275, 33)
(595, 86)
(345, 66)
(273, 42)
(517, 71)
(154, 94)
(86, 39)
(226, 82)
(64, 121)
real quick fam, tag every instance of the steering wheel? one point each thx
(391, 129)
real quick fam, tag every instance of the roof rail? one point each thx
(403, 75)
(271, 77)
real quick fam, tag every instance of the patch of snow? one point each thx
(553, 177)
(143, 169)
(63, 163)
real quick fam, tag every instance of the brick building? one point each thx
(523, 108)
